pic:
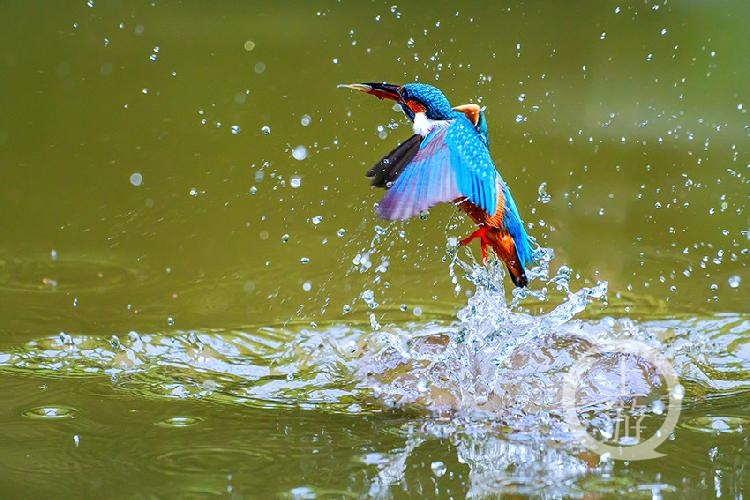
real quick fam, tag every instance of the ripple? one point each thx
(50, 412)
(197, 459)
(717, 424)
(606, 484)
(488, 361)
(179, 421)
(43, 274)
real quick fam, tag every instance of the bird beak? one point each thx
(379, 90)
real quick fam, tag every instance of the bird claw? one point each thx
(481, 234)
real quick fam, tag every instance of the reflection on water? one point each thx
(489, 382)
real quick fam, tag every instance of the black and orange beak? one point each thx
(379, 90)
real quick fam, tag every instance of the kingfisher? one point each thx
(448, 160)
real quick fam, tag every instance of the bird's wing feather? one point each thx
(475, 171)
(514, 225)
(387, 170)
(451, 162)
(427, 180)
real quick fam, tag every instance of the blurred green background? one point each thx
(633, 116)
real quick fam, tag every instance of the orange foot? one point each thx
(479, 233)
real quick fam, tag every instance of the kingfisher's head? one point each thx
(412, 97)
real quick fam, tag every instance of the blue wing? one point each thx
(514, 225)
(452, 162)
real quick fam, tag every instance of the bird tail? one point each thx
(505, 248)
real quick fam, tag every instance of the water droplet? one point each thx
(374, 322)
(438, 468)
(53, 254)
(678, 392)
(658, 407)
(307, 286)
(284, 238)
(341, 232)
(317, 219)
(235, 129)
(734, 281)
(170, 321)
(543, 196)
(304, 260)
(265, 129)
(253, 190)
(76, 440)
(305, 120)
(260, 67)
(335, 60)
(299, 153)
(369, 297)
(249, 45)
(295, 181)
(136, 179)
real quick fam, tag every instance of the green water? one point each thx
(167, 261)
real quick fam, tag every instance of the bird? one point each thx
(447, 159)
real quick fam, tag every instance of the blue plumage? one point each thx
(451, 162)
(448, 160)
(427, 180)
(475, 171)
(514, 225)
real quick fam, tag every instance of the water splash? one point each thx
(490, 380)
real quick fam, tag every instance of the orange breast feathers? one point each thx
(479, 215)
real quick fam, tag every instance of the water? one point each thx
(489, 382)
(197, 299)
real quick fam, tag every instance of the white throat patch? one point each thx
(423, 125)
